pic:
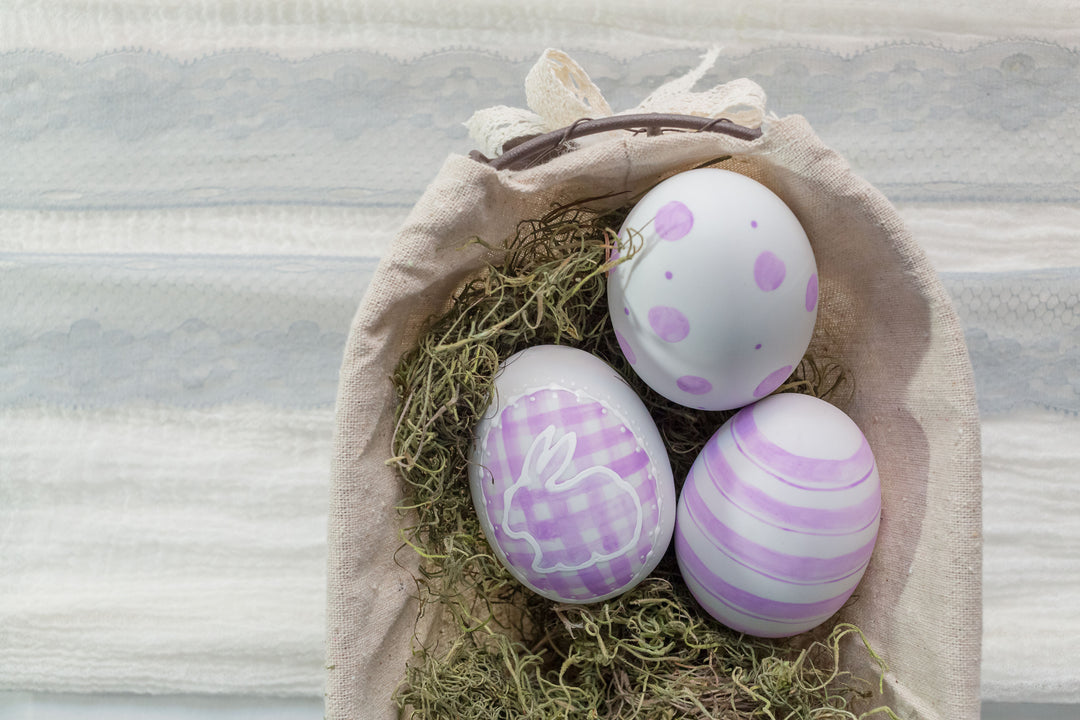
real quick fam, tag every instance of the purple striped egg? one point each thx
(778, 517)
(570, 478)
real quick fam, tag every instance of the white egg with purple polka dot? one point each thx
(715, 303)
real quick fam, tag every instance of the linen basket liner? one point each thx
(887, 316)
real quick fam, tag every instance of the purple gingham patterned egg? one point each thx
(717, 305)
(570, 478)
(778, 517)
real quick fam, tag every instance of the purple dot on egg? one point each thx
(668, 275)
(674, 220)
(626, 311)
(811, 293)
(769, 271)
(625, 347)
(670, 324)
(694, 385)
(773, 381)
(758, 346)
(753, 223)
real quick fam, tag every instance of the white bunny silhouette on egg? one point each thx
(545, 474)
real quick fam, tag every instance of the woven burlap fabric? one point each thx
(882, 309)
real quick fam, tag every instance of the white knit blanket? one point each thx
(186, 228)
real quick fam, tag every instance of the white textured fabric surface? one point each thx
(241, 134)
(1031, 572)
(621, 28)
(144, 550)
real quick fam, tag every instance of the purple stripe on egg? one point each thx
(600, 579)
(758, 583)
(628, 465)
(598, 437)
(511, 451)
(546, 410)
(620, 568)
(565, 585)
(812, 473)
(745, 622)
(593, 579)
(745, 601)
(549, 411)
(776, 565)
(511, 424)
(747, 496)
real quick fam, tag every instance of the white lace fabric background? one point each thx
(193, 198)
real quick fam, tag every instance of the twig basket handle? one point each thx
(537, 149)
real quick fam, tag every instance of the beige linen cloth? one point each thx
(881, 307)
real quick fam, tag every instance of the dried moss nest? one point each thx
(503, 651)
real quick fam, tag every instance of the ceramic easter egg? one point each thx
(716, 303)
(778, 517)
(570, 477)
